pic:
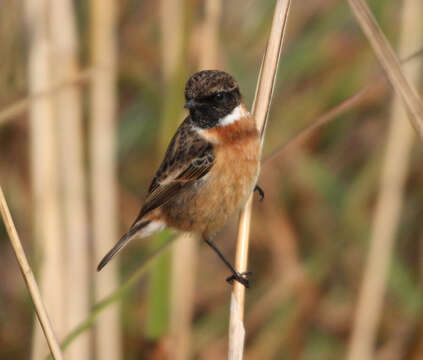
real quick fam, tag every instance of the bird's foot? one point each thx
(260, 192)
(242, 278)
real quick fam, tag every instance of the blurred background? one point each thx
(90, 94)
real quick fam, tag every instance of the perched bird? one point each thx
(209, 170)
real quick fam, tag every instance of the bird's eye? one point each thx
(220, 95)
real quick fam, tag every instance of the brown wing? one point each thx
(188, 158)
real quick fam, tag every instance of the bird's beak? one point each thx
(190, 104)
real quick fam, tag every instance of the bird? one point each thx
(209, 170)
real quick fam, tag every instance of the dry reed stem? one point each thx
(183, 276)
(69, 119)
(330, 115)
(113, 297)
(390, 64)
(210, 35)
(20, 106)
(165, 293)
(185, 249)
(44, 174)
(260, 111)
(103, 172)
(321, 120)
(172, 26)
(29, 280)
(172, 22)
(289, 276)
(389, 203)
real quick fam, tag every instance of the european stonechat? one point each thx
(209, 170)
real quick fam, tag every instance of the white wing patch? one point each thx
(152, 228)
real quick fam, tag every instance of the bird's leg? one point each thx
(240, 277)
(260, 191)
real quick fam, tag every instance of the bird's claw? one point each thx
(242, 278)
(260, 192)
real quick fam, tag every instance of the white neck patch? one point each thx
(238, 113)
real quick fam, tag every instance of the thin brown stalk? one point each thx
(353, 101)
(20, 106)
(320, 121)
(103, 169)
(210, 35)
(421, 256)
(185, 249)
(172, 26)
(184, 263)
(69, 119)
(289, 276)
(261, 106)
(389, 203)
(29, 278)
(44, 175)
(390, 64)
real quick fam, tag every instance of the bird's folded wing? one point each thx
(188, 158)
(163, 193)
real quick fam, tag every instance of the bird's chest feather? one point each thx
(206, 205)
(229, 183)
(237, 159)
(235, 171)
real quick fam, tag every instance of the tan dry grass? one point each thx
(210, 35)
(68, 112)
(30, 281)
(103, 103)
(20, 106)
(389, 204)
(44, 174)
(172, 42)
(185, 249)
(390, 64)
(260, 111)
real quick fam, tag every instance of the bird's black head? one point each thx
(210, 96)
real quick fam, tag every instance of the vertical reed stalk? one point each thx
(184, 263)
(210, 35)
(20, 106)
(387, 58)
(162, 291)
(29, 278)
(172, 31)
(68, 113)
(389, 203)
(185, 250)
(260, 111)
(44, 172)
(103, 169)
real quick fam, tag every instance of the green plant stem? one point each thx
(157, 322)
(114, 296)
(158, 292)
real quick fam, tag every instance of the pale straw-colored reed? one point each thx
(260, 111)
(103, 112)
(389, 203)
(30, 281)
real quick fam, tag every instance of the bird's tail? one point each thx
(141, 229)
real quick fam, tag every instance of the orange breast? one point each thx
(206, 206)
(235, 172)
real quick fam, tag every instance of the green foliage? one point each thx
(159, 292)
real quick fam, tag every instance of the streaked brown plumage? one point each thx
(209, 169)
